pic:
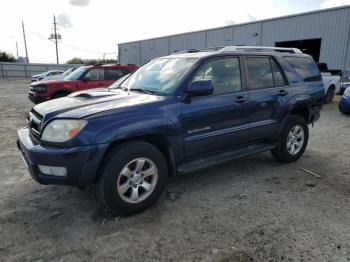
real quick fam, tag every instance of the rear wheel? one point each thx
(133, 178)
(293, 140)
(330, 94)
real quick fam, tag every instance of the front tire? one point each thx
(133, 177)
(292, 141)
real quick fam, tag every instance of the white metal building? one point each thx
(324, 34)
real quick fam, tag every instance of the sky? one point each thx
(90, 28)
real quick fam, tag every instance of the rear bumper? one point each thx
(81, 162)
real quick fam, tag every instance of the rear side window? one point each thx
(305, 68)
(277, 74)
(114, 74)
(259, 73)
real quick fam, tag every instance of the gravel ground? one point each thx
(252, 209)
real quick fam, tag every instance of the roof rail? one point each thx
(261, 49)
(194, 50)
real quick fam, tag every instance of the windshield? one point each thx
(117, 84)
(160, 76)
(75, 75)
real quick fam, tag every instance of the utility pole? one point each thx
(25, 42)
(55, 30)
(17, 50)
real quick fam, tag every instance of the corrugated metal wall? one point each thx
(332, 26)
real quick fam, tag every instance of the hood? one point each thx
(53, 81)
(85, 103)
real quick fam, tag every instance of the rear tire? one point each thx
(292, 141)
(330, 94)
(133, 176)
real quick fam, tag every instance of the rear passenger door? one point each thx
(268, 92)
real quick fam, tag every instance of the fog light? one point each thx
(53, 170)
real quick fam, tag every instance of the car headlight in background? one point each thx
(62, 130)
(39, 89)
(347, 92)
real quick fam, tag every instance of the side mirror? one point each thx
(86, 79)
(200, 88)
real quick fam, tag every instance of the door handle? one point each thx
(241, 99)
(283, 93)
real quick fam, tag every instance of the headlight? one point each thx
(62, 130)
(347, 92)
(39, 89)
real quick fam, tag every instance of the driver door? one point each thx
(94, 78)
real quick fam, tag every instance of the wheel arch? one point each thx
(60, 91)
(158, 140)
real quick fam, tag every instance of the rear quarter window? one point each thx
(305, 67)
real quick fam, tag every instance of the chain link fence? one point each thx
(23, 70)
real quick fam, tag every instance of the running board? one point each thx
(218, 158)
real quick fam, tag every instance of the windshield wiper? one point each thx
(146, 91)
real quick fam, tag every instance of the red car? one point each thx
(84, 77)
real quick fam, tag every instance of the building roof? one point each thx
(247, 23)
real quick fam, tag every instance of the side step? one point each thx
(221, 157)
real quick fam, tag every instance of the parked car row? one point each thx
(84, 77)
(175, 114)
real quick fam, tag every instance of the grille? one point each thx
(34, 124)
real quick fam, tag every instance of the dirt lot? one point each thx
(253, 209)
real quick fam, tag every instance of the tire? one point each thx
(282, 152)
(330, 94)
(59, 95)
(119, 173)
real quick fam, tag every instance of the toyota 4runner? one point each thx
(175, 114)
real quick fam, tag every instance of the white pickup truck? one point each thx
(331, 81)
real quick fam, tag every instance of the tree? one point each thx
(6, 57)
(75, 60)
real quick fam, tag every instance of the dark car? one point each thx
(176, 114)
(344, 103)
(85, 77)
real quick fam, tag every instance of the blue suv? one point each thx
(175, 114)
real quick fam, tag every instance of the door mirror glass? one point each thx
(200, 88)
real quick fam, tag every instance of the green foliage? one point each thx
(77, 60)
(6, 57)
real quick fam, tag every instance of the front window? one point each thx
(161, 76)
(76, 74)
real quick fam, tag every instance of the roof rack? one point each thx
(194, 50)
(261, 49)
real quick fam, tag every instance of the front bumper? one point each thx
(35, 98)
(82, 163)
(344, 104)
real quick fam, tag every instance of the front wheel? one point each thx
(293, 140)
(133, 178)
